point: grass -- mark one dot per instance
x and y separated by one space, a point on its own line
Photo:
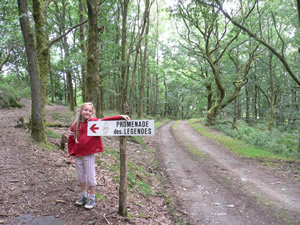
100 196
63 116
159 123
197 153
139 140
237 146
52 134
137 175
48 146
11 92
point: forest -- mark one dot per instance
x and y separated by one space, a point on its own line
234 65
226 65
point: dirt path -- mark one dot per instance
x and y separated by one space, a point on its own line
222 188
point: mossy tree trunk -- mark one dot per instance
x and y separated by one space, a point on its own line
208 87
83 52
37 122
115 99
93 79
42 50
51 80
213 111
67 59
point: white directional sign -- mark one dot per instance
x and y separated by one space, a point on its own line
121 128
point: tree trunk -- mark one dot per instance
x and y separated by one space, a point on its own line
155 90
255 97
213 111
166 95
42 49
51 80
143 72
209 95
235 116
101 99
123 140
67 59
83 52
247 105
137 51
116 77
6 58
272 95
37 122
93 80
299 145
148 93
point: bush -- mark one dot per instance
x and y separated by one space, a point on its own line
277 142
11 91
8 99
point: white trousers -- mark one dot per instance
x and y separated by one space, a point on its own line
85 168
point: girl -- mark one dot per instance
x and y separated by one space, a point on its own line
83 149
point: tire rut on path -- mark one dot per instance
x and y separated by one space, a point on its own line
207 191
285 195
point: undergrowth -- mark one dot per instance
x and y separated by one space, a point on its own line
254 142
11 92
137 176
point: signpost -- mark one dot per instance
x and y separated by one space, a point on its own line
121 128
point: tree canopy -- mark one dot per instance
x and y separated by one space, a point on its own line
182 59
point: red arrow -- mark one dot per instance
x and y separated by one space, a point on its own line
93 128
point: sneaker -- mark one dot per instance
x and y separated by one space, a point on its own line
90 204
82 200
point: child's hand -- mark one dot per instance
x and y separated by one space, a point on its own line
72 160
125 117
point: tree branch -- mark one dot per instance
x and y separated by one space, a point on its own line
6 58
280 57
277 31
68 31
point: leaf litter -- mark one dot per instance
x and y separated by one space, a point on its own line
36 183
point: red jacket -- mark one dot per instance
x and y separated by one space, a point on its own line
86 145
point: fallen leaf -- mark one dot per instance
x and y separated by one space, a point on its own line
60 201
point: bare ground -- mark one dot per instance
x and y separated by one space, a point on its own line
217 187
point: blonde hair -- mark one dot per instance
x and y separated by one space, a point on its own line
79 118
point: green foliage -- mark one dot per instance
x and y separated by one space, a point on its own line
139 140
100 196
63 116
11 91
279 142
8 99
135 182
253 142
51 134
196 153
137 176
48 146
159 123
